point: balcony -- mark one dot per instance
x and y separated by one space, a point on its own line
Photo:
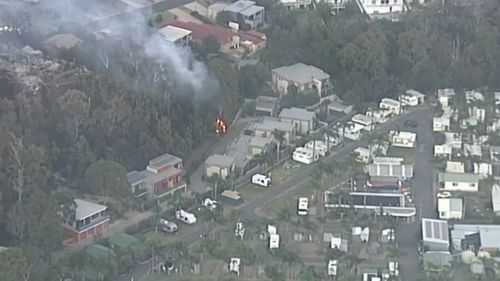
170 189
102 219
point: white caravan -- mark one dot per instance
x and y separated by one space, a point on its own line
303 206
304 155
210 204
261 180
185 217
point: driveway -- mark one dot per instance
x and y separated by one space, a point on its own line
424 197
247 209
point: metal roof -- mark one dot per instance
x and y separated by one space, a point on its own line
301 73
252 10
435 231
239 6
438 258
458 177
268 124
173 33
266 103
297 113
86 209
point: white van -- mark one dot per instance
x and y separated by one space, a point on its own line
167 226
303 206
261 180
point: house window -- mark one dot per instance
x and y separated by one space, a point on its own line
472 185
374 2
384 1
442 214
454 184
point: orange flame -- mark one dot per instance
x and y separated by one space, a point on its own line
220 126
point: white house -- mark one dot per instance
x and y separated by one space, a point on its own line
442 150
378 8
459 181
176 35
412 98
473 96
440 124
435 234
453 139
362 154
392 105
444 96
403 139
303 77
363 120
351 130
450 208
296 4
379 116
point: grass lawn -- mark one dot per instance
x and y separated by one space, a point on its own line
407 153
251 191
165 238
279 174
288 200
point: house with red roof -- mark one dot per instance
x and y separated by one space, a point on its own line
229 39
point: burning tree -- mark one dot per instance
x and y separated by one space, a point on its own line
220 126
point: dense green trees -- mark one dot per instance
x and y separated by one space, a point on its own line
14 265
437 46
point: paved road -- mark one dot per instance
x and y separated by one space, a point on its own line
248 208
424 197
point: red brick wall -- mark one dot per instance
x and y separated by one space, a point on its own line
73 236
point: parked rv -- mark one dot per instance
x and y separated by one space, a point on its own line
210 204
303 206
261 180
185 217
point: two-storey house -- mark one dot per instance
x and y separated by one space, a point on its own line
162 178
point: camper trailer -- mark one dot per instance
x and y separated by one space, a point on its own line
167 226
304 155
303 206
210 204
185 217
261 180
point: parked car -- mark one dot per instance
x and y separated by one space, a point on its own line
444 194
167 226
410 124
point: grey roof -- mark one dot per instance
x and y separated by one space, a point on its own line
266 103
495 152
135 177
252 10
239 6
297 114
259 141
301 73
269 125
86 209
438 258
164 160
390 170
220 160
489 238
238 150
435 230
218 6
